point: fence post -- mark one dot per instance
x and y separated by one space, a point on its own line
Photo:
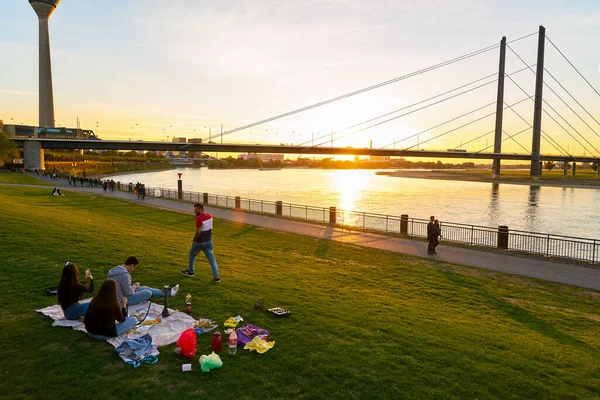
404 224
332 215
204 198
279 208
503 237
238 202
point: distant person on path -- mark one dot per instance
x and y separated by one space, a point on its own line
105 311
70 291
431 235
134 294
202 242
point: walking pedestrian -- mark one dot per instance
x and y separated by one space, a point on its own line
431 235
202 242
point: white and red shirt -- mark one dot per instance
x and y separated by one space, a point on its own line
205 223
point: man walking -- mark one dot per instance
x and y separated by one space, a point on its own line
431 235
202 242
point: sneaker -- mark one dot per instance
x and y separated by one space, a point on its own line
217 280
174 290
187 273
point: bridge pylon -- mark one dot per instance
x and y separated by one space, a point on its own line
499 108
536 170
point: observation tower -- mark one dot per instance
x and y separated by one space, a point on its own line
43 9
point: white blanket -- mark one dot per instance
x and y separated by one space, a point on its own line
163 333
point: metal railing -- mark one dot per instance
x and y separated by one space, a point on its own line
544 244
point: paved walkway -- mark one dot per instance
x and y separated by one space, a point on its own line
564 273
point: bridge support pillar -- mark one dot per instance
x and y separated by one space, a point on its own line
499 109
565 169
33 155
537 108
598 170
574 170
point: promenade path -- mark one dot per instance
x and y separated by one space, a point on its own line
560 272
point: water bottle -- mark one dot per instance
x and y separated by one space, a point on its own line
188 303
232 342
217 343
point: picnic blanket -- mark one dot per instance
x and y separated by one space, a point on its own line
164 333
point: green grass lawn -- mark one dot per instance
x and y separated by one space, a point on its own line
19 178
365 324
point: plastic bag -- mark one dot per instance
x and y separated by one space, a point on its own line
187 343
210 361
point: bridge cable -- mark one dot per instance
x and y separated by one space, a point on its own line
452 130
552 76
398 116
381 84
546 136
565 57
549 87
556 94
558 123
567 122
415 104
409 106
553 142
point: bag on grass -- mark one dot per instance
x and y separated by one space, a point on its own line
187 343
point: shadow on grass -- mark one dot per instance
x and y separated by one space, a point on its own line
245 231
513 311
323 247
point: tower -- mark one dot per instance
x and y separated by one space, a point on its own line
43 9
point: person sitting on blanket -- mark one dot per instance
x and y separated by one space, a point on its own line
70 291
135 293
104 310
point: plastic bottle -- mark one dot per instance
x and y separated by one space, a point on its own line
188 303
217 343
232 342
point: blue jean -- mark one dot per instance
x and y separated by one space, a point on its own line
207 248
144 293
76 310
121 327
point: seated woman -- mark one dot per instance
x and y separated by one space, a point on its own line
70 291
104 310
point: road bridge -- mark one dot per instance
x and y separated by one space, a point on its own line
32 146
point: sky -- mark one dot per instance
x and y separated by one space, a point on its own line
158 69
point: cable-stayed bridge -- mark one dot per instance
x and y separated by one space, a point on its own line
501 121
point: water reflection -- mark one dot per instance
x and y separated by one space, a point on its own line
532 206
493 207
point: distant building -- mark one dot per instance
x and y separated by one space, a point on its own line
194 154
262 156
379 158
179 140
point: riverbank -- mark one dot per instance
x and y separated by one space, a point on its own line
506 177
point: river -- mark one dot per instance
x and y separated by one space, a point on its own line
561 211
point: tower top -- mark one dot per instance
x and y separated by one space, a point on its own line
44 8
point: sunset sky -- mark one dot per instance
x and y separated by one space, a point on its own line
155 69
